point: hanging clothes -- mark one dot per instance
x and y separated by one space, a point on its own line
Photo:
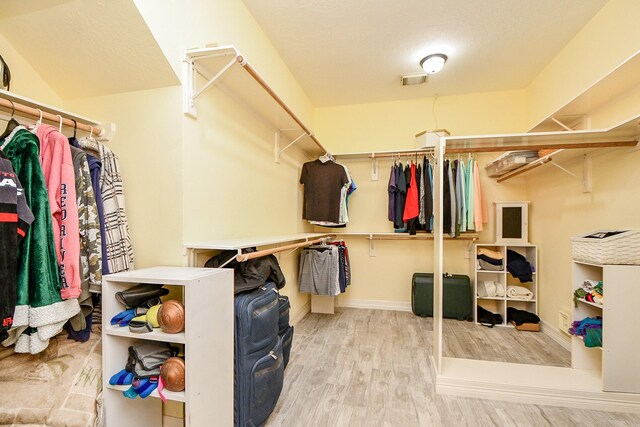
319 270
95 169
57 168
391 190
39 304
461 197
429 196
90 249
15 219
324 269
116 238
422 216
323 183
411 209
401 195
480 210
470 196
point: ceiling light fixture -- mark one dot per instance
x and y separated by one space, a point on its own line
433 63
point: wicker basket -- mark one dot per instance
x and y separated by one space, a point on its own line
607 247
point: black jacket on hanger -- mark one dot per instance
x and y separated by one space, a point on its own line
250 274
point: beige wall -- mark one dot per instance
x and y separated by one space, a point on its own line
608 40
25 80
560 210
392 125
148 143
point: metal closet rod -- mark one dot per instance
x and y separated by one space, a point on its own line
253 73
265 252
17 107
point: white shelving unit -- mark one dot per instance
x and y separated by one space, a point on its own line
207 341
499 304
617 359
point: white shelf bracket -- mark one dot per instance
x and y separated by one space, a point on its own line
277 149
372 246
563 169
374 168
586 174
562 125
190 92
189 78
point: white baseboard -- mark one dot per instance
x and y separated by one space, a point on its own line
374 304
555 334
531 384
299 315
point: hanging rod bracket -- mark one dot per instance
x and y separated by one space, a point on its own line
278 152
374 168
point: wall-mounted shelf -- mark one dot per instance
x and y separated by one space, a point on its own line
563 145
194 248
228 70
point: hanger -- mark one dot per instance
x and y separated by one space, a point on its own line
75 127
60 125
326 157
89 142
11 124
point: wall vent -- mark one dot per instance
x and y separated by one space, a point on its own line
564 321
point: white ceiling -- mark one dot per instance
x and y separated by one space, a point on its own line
85 48
354 51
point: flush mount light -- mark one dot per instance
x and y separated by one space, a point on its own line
433 63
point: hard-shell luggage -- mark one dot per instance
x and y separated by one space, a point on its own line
457 298
259 363
284 329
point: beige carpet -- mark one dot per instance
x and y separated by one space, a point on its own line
57 387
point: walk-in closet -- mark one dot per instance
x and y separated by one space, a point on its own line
298 213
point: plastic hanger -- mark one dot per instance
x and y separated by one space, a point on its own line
75 127
11 124
60 125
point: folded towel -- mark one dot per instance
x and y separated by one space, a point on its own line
490 253
519 292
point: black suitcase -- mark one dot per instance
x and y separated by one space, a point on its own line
456 300
259 363
284 329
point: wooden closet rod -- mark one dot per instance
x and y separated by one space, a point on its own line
253 73
10 106
490 149
265 252
535 147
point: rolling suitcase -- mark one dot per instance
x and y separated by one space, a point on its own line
456 301
259 363
284 329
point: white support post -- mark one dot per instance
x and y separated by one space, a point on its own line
374 168
586 174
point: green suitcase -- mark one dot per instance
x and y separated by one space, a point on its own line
457 298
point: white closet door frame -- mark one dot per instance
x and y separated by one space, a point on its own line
438 254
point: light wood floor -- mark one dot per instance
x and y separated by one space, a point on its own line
370 368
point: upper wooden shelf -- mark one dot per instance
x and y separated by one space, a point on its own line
230 71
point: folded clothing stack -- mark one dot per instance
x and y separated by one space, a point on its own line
590 328
490 288
519 292
490 260
523 320
591 290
